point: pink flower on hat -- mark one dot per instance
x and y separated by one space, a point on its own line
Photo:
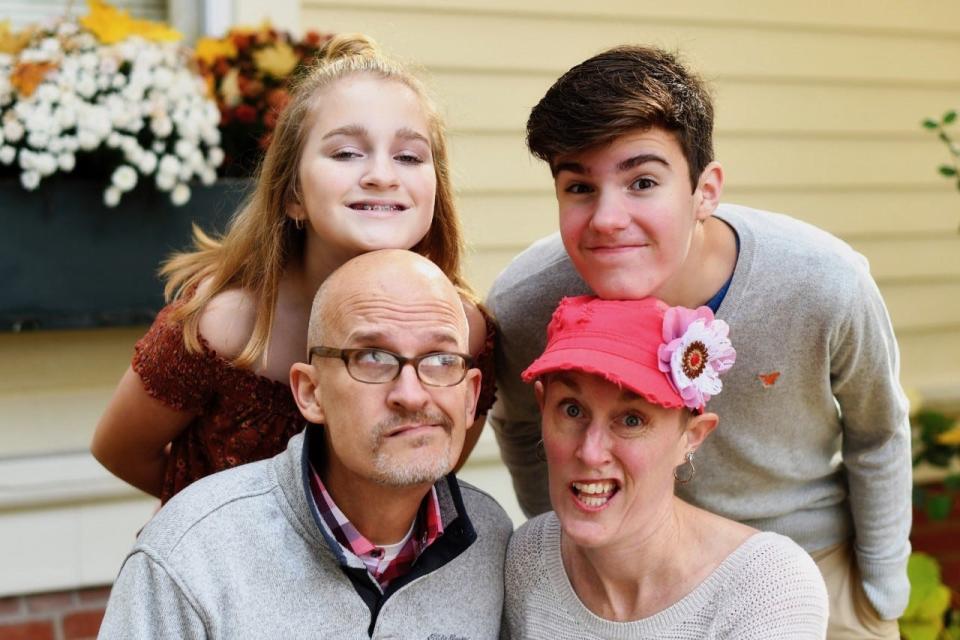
695 351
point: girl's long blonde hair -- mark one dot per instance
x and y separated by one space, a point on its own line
261 239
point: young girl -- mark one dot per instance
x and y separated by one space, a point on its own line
358 162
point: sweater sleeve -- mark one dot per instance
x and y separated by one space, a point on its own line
865 373
778 594
146 602
515 417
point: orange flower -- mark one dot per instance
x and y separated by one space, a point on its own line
27 76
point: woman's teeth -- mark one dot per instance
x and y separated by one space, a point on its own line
594 494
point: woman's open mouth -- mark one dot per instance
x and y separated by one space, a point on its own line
595 494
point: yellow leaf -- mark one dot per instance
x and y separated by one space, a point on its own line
209 49
111 25
12 42
951 436
278 60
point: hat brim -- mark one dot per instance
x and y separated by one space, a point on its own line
652 385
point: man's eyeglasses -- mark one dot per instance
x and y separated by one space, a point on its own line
376 366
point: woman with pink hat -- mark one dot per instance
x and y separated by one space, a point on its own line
623 387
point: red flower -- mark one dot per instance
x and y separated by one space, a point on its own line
245 113
278 99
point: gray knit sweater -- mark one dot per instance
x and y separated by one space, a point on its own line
767 589
820 454
240 554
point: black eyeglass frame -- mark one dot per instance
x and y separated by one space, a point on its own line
345 354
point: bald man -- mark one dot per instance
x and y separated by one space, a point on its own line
358 529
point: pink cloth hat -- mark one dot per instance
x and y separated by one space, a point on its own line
671 356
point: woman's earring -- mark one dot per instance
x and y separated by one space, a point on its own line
685 472
298 223
541 453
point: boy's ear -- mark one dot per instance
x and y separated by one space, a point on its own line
306 391
709 190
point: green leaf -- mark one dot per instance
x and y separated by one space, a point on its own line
919 630
952 482
949 116
929 123
947 170
938 507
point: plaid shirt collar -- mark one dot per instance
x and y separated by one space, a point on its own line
427 528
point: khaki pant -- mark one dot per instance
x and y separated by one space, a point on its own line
852 617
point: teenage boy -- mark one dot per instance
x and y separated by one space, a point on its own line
816 442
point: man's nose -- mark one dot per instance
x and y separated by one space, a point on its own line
407 391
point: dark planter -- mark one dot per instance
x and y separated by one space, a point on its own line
68 261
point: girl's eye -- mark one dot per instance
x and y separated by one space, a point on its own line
641 184
571 410
345 154
408 158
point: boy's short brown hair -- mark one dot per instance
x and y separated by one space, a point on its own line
621 90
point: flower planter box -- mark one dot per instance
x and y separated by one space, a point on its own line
68 261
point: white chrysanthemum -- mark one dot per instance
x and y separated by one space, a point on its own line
38 139
113 140
208 176
180 195
46 164
184 149
124 177
12 130
87 140
147 163
7 154
30 180
161 127
165 181
66 161
111 196
27 159
215 157
86 85
169 165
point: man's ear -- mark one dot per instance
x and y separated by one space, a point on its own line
709 190
473 394
306 391
540 392
698 428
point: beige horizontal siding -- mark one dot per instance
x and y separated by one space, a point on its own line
494 101
530 42
929 17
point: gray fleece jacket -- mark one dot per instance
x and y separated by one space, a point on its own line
242 554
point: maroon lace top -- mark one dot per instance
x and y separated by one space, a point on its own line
242 417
